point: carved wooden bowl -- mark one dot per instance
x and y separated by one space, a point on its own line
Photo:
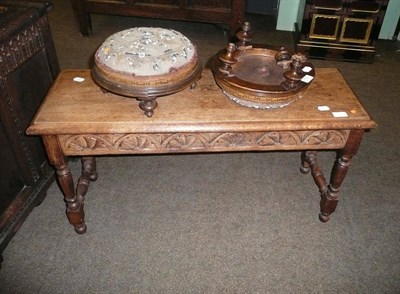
260 77
146 63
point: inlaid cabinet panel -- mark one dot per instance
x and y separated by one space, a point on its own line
341 29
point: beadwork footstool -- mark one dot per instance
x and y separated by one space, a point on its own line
145 63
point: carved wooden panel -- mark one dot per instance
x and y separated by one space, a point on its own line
201 142
21 47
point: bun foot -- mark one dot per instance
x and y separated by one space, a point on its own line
93 176
148 106
324 218
304 169
81 229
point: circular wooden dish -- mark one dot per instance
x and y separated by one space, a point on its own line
259 77
146 63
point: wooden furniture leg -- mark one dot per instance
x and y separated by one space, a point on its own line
330 193
89 173
75 212
83 20
330 198
309 162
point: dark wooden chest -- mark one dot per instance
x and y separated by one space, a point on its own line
28 66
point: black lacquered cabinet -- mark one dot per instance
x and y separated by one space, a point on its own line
28 67
341 29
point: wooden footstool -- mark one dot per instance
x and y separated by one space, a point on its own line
146 63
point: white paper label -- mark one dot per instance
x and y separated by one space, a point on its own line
340 114
78 79
307 79
323 108
307 69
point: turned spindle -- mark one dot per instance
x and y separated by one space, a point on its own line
245 37
295 74
283 58
227 59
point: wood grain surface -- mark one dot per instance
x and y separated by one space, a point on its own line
82 108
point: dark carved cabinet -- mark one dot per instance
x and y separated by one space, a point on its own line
229 12
341 29
28 66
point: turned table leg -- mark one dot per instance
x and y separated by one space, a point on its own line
330 193
74 210
331 197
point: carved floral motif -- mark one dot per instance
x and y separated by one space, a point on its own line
197 142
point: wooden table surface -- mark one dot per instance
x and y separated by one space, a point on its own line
81 107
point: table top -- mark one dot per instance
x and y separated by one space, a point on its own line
73 107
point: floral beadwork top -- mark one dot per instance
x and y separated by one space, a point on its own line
146 51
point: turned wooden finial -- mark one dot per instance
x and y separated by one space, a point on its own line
245 37
283 58
227 59
295 74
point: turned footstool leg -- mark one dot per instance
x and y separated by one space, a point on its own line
148 105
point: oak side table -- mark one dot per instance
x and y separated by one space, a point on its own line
78 119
